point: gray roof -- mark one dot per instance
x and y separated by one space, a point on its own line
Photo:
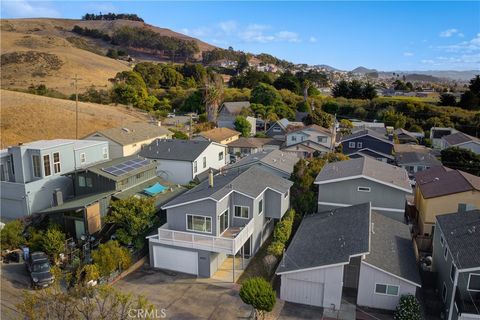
370 132
234 108
244 142
98 168
134 132
424 158
78 203
251 182
462 235
278 159
391 248
328 238
367 167
459 137
171 149
47 144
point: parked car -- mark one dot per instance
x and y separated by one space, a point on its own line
171 115
39 267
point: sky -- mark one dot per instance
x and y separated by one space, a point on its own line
384 35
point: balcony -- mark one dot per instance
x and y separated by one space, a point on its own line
230 242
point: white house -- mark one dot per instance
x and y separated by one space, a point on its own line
181 161
308 140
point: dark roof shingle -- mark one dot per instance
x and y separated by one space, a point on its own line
171 149
440 181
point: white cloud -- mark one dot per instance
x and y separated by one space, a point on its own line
197 32
448 33
408 54
228 26
287 36
28 9
312 39
465 46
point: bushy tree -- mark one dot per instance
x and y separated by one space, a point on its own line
54 241
461 159
243 126
11 236
470 99
110 257
133 217
265 94
408 309
394 119
258 293
447 99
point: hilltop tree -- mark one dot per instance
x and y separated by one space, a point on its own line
447 99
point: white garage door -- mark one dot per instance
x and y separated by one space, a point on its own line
305 292
175 260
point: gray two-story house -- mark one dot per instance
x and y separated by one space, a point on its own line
350 182
368 143
456 261
34 174
228 214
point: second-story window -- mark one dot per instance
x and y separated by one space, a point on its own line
220 156
204 162
199 223
260 207
241 212
46 165
294 138
105 152
195 167
36 166
56 162
359 145
351 145
322 139
83 158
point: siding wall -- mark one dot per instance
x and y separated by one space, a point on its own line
175 171
366 288
368 142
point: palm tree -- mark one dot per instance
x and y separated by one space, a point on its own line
267 114
213 96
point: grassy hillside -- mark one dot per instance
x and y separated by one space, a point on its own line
26 117
46 51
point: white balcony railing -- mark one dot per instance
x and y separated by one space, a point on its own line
204 242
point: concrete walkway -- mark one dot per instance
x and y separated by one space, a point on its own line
347 311
225 271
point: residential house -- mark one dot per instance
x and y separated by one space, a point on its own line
415 161
313 137
219 135
96 185
280 127
439 190
33 174
461 140
245 146
353 249
227 214
456 244
436 134
405 136
278 162
368 143
350 182
180 161
229 111
131 138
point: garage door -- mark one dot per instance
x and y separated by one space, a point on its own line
305 292
175 260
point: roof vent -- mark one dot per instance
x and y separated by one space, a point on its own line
126 129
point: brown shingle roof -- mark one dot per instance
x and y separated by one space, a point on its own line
440 181
219 134
243 142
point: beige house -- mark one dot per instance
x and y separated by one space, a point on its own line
441 190
131 138
220 135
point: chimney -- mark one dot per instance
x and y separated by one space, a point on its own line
57 197
210 178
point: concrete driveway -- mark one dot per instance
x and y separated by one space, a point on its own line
14 279
186 297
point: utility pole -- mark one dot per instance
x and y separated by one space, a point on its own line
75 84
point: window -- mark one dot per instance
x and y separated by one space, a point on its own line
473 282
442 241
294 138
351 145
277 129
260 207
46 165
359 145
286 194
195 167
322 139
105 152
444 292
241 212
363 189
89 182
56 162
36 166
220 156
204 162
83 158
81 181
199 223
223 221
445 253
452 272
386 289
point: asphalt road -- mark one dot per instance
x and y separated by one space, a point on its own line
14 279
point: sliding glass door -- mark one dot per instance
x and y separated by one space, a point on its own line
223 225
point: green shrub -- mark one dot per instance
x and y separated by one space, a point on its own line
110 257
280 233
408 309
276 248
11 236
258 293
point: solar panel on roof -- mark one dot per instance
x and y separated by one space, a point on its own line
126 166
